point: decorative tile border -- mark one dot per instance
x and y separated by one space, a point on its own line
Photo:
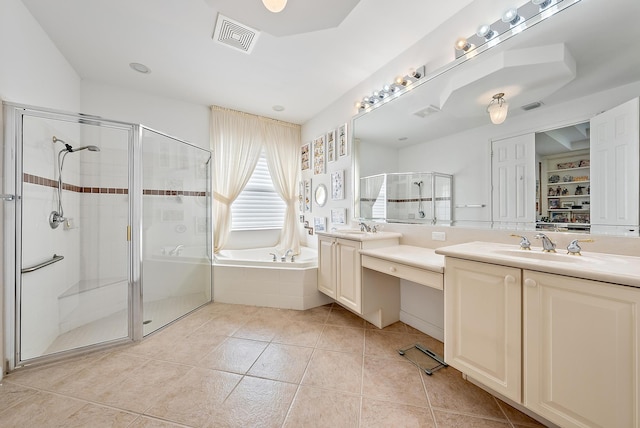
41 181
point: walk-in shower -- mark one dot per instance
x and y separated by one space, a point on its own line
84 228
57 217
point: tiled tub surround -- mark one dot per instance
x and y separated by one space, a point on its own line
273 284
242 366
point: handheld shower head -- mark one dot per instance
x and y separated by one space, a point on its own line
90 148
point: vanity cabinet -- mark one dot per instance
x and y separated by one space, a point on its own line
340 268
581 347
482 323
565 348
339 271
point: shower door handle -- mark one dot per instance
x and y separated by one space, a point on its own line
8 197
56 258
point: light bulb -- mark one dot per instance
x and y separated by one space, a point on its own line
511 16
485 31
462 44
542 3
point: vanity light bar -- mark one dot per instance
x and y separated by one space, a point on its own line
486 37
392 90
513 20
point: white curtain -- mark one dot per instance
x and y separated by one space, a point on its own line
282 147
236 144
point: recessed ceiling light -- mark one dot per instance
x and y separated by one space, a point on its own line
277 108
140 68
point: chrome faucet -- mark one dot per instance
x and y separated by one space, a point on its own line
525 244
274 257
547 245
284 257
574 248
176 251
364 227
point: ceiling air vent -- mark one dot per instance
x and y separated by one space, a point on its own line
234 34
532 106
427 111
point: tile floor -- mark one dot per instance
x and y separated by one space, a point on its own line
243 366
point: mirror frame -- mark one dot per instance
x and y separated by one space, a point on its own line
320 195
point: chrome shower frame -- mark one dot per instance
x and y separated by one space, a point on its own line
12 228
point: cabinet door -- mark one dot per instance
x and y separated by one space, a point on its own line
326 266
581 341
614 170
482 323
349 288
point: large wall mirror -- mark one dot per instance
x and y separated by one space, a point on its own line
557 76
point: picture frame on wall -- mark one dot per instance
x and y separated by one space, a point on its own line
305 157
331 146
338 216
318 155
320 224
343 141
307 196
337 185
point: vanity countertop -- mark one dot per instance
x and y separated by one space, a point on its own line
357 235
612 268
422 258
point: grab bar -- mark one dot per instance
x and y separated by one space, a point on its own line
55 258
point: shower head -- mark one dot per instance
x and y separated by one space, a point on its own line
418 183
90 148
70 149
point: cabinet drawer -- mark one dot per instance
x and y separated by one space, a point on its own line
421 276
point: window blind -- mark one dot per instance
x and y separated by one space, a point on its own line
258 206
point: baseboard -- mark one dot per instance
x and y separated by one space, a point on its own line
422 325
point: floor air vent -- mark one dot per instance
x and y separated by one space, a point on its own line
234 34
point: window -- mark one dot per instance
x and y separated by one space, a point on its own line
259 206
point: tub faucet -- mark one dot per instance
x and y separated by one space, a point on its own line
274 257
176 251
284 258
547 245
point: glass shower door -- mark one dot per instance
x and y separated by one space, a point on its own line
176 229
73 267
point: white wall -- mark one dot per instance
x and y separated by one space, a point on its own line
186 121
33 70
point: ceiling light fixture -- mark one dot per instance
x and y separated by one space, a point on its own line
274 6
498 109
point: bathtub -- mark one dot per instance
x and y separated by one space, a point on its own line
251 277
261 257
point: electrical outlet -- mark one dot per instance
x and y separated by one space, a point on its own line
438 236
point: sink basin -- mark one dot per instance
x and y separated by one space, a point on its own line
352 232
539 255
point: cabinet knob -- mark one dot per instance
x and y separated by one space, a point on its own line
509 279
393 269
530 282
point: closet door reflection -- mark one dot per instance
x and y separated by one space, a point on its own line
176 235
73 251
